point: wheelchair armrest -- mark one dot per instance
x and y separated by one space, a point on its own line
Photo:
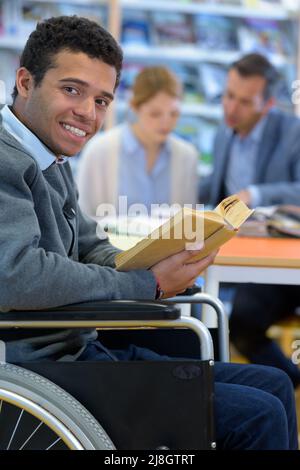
114 310
110 314
191 291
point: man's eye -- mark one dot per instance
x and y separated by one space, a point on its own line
71 90
102 103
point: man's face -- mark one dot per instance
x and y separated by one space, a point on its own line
68 107
158 116
243 101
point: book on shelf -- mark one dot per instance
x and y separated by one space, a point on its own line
201 133
207 134
265 36
188 75
213 81
172 29
9 61
1 20
215 32
180 233
188 127
129 72
135 29
33 12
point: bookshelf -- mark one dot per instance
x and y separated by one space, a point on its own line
197 39
238 10
151 32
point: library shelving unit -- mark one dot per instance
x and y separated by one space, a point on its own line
197 39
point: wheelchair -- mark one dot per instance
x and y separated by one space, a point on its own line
112 405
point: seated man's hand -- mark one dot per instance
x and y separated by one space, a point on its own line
245 196
175 275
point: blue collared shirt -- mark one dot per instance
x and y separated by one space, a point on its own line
28 140
243 156
139 185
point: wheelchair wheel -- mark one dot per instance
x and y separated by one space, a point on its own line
37 414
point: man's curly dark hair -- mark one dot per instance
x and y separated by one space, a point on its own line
72 33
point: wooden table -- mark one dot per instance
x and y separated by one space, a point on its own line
258 260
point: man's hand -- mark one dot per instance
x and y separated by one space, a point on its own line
175 275
245 196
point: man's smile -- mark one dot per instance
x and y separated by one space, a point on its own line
75 131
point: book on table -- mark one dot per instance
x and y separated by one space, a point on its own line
274 221
187 229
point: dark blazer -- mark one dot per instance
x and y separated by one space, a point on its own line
277 172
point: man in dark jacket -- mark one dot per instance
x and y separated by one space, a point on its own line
257 148
257 155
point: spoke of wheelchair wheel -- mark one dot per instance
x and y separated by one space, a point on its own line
28 438
15 429
55 442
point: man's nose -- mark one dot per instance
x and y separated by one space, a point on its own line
86 110
232 107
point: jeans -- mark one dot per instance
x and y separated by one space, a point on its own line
254 405
255 308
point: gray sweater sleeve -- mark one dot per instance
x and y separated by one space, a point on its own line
33 277
92 248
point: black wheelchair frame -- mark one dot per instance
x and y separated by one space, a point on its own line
143 419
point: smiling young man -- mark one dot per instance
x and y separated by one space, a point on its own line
68 107
50 254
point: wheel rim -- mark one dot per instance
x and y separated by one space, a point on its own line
18 410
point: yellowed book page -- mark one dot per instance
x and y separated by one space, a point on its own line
234 211
124 242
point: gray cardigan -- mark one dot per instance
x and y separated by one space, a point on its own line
50 253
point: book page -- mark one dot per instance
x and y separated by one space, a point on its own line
234 211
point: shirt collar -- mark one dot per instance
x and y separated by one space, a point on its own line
43 156
256 133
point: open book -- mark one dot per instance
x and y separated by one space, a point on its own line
187 229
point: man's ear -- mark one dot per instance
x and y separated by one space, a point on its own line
24 82
270 103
